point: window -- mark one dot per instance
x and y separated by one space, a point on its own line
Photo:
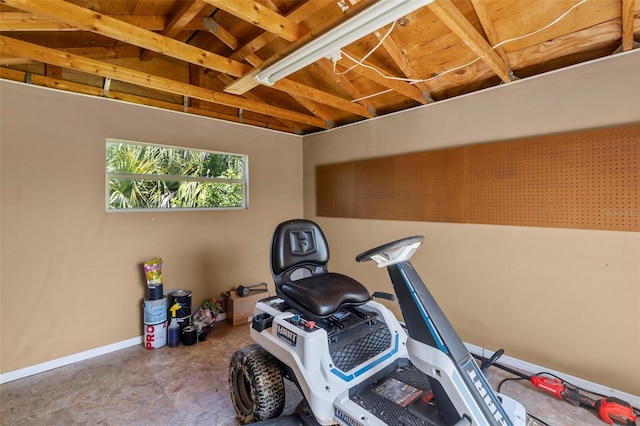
143 176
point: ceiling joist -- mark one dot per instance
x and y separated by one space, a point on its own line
185 51
66 60
627 24
24 21
119 30
261 16
480 6
452 18
177 24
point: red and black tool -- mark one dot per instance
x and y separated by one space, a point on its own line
609 409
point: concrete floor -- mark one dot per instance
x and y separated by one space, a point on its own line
185 385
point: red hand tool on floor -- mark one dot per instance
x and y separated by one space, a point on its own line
609 409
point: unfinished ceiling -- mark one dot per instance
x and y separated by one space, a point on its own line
191 55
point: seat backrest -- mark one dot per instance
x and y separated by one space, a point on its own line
298 249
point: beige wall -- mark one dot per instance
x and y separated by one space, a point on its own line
70 275
565 299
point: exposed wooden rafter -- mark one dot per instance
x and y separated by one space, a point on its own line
167 52
342 81
480 7
627 24
103 69
178 23
119 30
405 89
261 16
286 123
452 18
400 59
220 32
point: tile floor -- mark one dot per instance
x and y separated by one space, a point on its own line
185 385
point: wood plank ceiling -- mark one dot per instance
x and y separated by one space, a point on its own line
186 55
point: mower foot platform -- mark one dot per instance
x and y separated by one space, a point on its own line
400 396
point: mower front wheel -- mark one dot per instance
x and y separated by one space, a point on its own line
255 385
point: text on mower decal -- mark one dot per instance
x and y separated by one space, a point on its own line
486 397
287 335
346 418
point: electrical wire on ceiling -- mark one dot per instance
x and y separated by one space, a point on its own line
414 81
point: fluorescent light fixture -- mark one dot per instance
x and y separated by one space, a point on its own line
369 20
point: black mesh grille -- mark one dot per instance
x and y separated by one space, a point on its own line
354 354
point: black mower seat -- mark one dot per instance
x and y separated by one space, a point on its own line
324 294
299 257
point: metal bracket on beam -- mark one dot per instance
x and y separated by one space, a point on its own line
210 24
329 123
426 95
185 104
27 77
106 87
512 77
240 114
372 110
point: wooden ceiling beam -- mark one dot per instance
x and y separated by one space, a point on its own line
261 16
315 109
297 16
220 33
119 30
449 14
67 60
627 24
247 51
401 87
247 82
342 81
224 78
115 52
489 27
400 59
322 97
178 22
53 83
25 21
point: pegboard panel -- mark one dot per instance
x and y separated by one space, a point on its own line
586 180
406 187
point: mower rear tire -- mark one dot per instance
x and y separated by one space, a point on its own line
255 385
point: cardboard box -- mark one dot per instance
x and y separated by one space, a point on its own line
240 309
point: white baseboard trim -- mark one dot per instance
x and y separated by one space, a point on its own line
61 362
529 368
526 367
81 356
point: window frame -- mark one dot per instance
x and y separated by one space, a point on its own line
244 181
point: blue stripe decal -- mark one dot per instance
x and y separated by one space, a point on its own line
425 316
360 372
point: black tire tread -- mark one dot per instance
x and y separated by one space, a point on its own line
266 385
